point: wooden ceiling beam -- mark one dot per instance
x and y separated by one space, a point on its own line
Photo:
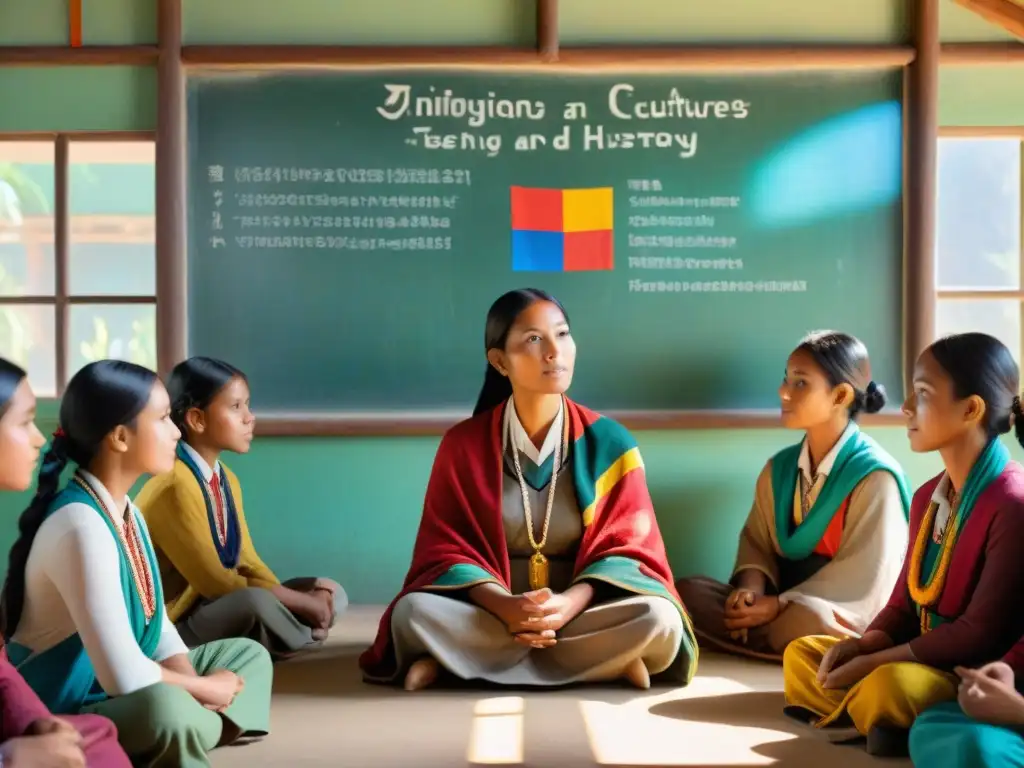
981 54
1003 13
679 58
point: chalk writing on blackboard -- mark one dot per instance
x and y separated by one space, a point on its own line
653 123
357 209
718 286
679 262
335 213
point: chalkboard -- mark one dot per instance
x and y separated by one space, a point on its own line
348 231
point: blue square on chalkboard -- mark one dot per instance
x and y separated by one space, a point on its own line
534 251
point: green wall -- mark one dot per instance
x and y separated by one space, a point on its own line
348 508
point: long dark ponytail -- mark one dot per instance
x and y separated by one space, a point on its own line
501 317
100 397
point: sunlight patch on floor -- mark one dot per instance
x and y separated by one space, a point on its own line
496 737
629 734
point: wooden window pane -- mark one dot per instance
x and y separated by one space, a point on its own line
113 218
996 317
979 214
26 218
27 337
121 332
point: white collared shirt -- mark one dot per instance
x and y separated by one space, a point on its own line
207 473
201 462
814 481
940 497
513 430
73 584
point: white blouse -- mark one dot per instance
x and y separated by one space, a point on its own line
813 482
73 584
514 431
200 462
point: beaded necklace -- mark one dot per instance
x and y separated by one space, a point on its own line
927 593
131 542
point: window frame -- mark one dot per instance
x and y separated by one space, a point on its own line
986 294
61 299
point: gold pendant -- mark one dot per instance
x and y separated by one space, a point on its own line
538 571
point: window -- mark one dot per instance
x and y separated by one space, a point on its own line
979 249
77 254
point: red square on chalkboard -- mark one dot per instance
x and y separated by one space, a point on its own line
588 251
538 210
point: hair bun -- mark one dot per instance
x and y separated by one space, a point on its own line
874 398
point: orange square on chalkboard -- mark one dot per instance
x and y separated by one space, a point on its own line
588 251
537 210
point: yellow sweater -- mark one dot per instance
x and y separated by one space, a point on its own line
190 568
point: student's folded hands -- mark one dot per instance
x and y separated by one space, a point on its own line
746 610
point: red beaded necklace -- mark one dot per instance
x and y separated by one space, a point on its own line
131 541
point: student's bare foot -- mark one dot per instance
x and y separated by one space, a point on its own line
422 673
638 675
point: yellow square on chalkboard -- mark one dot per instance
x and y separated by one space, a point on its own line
587 210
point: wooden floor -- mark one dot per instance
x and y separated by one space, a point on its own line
729 717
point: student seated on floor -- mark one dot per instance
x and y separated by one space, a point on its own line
216 584
824 542
29 734
539 560
984 727
963 573
83 603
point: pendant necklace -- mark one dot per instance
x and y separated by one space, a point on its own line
539 573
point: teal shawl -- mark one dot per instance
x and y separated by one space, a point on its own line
63 676
858 458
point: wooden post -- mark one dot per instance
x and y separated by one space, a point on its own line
61 256
547 29
75 23
922 115
171 220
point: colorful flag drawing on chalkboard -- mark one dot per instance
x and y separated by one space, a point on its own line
562 230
